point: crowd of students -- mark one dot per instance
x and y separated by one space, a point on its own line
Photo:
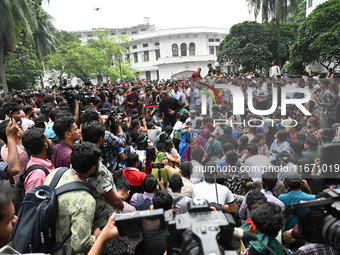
113 140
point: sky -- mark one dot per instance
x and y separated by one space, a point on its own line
73 15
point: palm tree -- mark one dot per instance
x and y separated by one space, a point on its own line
44 36
15 18
275 11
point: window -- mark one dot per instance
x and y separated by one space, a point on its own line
211 49
113 33
145 56
156 43
192 49
143 29
211 40
217 40
123 33
127 57
310 3
148 75
89 35
78 35
183 49
134 32
135 56
145 45
158 54
175 50
134 47
216 49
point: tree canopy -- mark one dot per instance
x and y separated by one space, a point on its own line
319 36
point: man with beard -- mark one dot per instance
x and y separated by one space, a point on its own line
76 208
27 121
40 147
102 186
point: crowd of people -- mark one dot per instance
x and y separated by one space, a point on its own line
144 145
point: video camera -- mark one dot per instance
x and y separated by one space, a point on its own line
113 115
201 231
319 220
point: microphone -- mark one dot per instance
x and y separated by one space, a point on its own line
244 235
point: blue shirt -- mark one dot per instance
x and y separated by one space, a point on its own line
291 198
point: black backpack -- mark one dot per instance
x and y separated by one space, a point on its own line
19 189
142 204
35 230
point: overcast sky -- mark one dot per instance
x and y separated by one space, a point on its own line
72 15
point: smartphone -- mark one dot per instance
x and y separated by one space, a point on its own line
158 165
10 116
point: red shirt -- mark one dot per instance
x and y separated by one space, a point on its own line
195 77
134 176
132 98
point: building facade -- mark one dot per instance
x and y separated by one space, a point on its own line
169 53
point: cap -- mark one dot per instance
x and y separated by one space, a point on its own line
199 69
50 133
292 178
193 111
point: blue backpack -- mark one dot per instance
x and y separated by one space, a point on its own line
35 230
142 204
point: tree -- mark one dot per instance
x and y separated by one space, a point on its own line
22 68
16 18
44 35
275 11
247 44
318 37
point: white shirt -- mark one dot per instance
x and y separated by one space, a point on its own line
26 123
254 166
208 192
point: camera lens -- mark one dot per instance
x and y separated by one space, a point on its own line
331 231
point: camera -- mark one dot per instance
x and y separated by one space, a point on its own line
319 220
201 231
158 165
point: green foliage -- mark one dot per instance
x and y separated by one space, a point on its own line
96 56
319 36
22 68
301 15
247 44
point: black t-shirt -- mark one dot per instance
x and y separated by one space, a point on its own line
134 135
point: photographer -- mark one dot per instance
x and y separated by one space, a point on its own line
111 142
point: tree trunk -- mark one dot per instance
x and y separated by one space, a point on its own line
2 67
278 34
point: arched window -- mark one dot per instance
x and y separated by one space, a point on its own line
175 50
183 49
192 49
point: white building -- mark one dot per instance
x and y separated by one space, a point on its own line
312 4
169 53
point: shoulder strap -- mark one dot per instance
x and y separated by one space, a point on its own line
140 198
35 167
71 187
57 176
177 200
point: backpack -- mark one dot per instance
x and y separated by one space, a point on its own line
19 189
35 230
142 204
